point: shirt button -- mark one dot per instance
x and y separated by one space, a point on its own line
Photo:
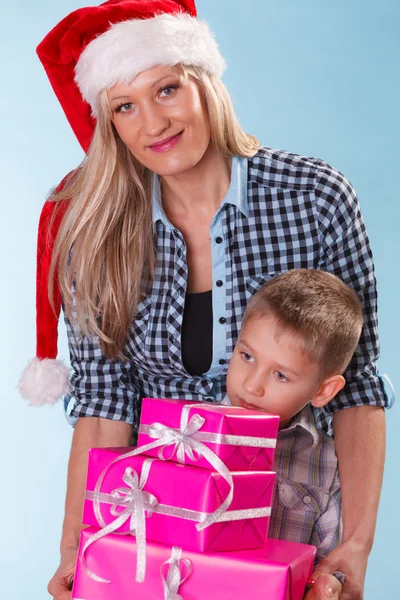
219 240
222 361
222 320
219 283
306 499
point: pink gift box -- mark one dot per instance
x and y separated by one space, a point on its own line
277 572
246 438
183 487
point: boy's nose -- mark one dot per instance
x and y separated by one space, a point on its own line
254 385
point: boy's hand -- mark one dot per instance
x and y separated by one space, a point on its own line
326 587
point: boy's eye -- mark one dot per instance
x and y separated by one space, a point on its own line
247 357
280 376
123 108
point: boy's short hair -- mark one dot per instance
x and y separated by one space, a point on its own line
318 308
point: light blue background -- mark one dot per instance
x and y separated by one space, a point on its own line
313 77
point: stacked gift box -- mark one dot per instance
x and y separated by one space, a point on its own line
186 513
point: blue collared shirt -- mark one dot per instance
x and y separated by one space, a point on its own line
236 196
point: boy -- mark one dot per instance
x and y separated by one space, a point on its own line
298 335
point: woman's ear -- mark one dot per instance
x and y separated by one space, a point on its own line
328 390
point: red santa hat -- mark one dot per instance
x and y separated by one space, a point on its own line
95 47
89 51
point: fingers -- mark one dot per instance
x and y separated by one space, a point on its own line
64 596
351 590
59 588
60 584
326 587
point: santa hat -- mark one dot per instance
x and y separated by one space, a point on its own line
45 379
89 51
95 47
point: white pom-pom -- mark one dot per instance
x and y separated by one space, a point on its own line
44 381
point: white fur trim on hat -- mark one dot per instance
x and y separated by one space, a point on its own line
44 381
130 47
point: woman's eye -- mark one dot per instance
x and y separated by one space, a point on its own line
126 107
280 376
168 90
247 357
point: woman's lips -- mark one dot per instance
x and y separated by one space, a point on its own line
167 144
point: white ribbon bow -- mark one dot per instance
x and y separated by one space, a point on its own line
135 503
174 577
181 438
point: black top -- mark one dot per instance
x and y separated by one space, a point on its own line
197 326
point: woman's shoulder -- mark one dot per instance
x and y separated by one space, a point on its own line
289 171
283 169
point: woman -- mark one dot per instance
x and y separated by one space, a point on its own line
220 216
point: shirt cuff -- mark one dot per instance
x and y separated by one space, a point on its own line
112 409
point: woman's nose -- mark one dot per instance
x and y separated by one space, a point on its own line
154 120
254 384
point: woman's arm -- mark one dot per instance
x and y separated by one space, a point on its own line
360 447
358 416
360 469
90 432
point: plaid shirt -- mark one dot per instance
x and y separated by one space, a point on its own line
282 212
307 500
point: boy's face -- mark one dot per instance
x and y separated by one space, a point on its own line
269 371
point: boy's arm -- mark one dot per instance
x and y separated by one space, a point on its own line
361 471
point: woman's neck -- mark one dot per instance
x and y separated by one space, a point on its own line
198 190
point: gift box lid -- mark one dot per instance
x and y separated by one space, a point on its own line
219 419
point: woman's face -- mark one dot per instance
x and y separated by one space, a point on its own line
163 120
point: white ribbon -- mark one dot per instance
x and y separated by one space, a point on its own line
181 438
174 577
135 503
189 514
186 444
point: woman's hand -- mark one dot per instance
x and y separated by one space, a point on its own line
326 587
351 559
60 585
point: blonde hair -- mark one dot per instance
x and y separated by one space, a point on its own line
319 309
104 250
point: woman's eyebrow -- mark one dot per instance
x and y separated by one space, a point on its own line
118 98
164 77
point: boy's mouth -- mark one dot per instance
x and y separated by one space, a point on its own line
247 405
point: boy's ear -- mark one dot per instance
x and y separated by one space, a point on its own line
328 390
